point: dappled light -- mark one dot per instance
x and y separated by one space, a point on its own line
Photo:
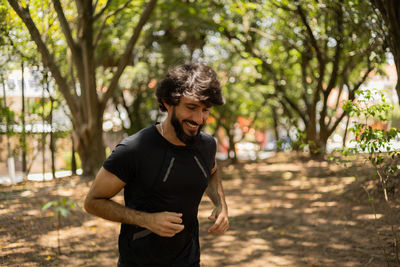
276 219
306 221
288 109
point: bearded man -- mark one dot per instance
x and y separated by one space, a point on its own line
164 170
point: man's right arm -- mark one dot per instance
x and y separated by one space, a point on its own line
98 202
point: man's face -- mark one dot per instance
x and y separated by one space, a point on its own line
188 117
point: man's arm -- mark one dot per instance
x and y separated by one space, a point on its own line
98 202
220 213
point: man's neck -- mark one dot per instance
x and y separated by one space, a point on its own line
168 132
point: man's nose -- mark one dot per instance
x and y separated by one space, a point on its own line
199 117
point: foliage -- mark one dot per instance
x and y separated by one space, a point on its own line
310 52
60 206
86 46
372 106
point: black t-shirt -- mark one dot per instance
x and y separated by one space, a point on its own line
160 176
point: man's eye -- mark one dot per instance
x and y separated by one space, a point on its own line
191 108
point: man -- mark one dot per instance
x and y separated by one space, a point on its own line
164 170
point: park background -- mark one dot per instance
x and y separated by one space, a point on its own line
307 140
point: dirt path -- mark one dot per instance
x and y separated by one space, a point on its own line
282 214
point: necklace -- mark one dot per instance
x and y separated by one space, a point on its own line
162 129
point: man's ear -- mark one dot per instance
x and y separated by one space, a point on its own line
167 106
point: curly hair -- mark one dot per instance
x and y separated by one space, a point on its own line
196 80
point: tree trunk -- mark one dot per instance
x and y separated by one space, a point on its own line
23 134
90 147
311 133
276 131
390 12
232 146
345 132
397 62
43 131
73 159
7 117
52 141
323 140
86 108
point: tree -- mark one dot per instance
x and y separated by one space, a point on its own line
81 38
390 27
176 34
243 99
308 51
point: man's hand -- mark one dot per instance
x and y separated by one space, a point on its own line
166 224
221 224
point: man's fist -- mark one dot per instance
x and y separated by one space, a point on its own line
166 224
221 224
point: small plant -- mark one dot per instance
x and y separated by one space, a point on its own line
372 107
61 207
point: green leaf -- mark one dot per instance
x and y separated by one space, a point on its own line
48 205
251 5
65 212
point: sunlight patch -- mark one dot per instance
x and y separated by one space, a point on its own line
369 216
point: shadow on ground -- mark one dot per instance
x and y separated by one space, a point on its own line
283 212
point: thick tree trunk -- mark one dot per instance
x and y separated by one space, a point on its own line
323 140
86 108
390 12
90 147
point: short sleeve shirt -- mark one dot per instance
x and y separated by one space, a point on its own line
160 176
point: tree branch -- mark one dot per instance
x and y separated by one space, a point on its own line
338 51
263 34
314 42
320 56
98 15
126 56
284 7
103 24
335 67
294 107
65 27
304 65
352 95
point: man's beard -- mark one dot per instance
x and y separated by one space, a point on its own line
180 133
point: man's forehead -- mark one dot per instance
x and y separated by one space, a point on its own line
192 101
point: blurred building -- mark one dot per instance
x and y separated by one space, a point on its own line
35 93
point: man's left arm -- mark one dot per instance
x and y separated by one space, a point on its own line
220 213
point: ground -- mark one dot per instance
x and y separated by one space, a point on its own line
284 211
